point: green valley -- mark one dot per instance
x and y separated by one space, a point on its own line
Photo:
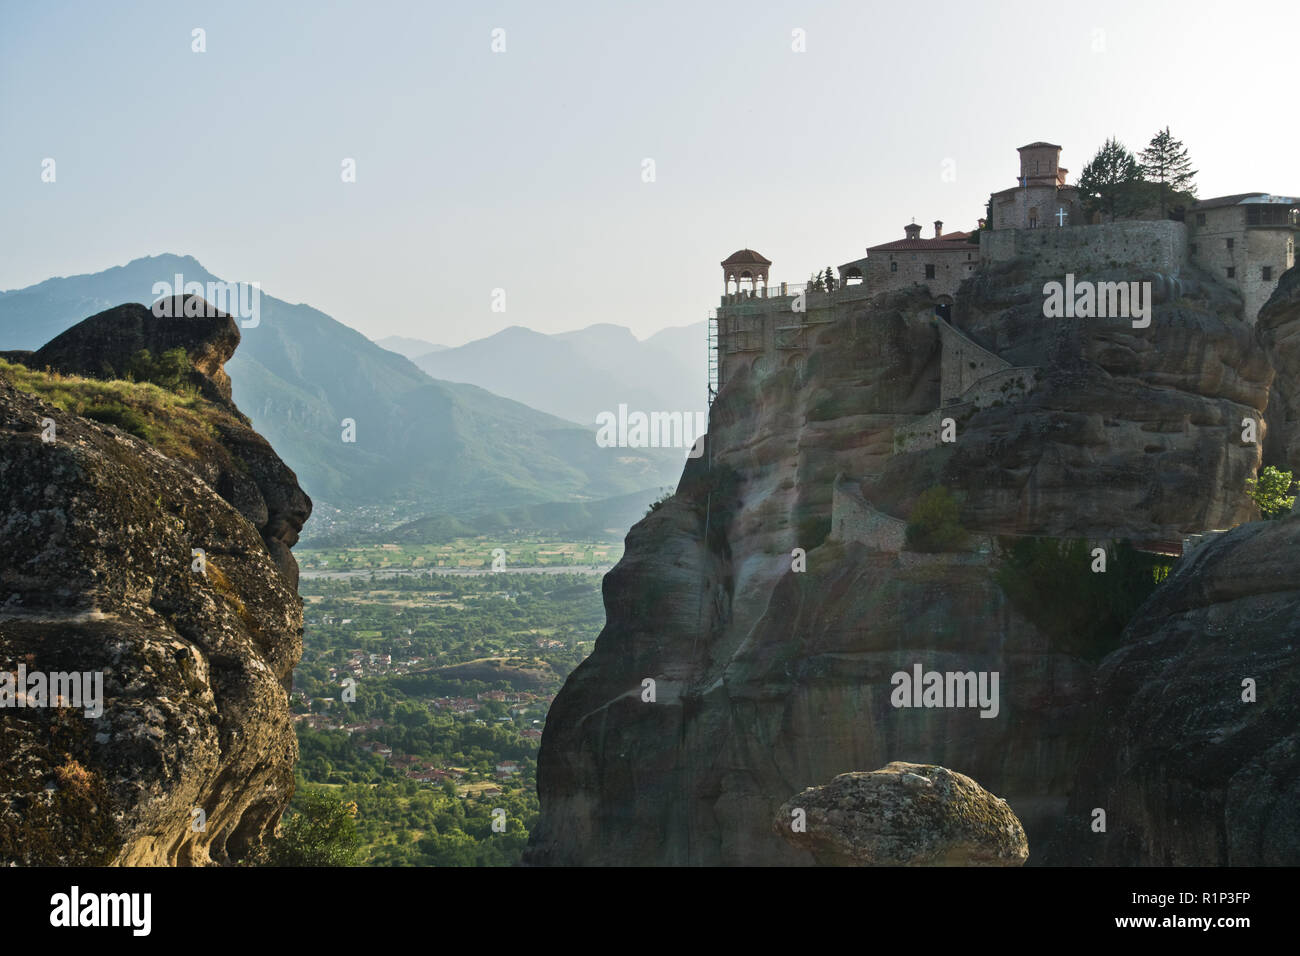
422 694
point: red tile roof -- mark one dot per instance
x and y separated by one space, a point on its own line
745 257
948 243
1015 189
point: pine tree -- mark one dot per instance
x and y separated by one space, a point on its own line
830 280
1112 181
1166 163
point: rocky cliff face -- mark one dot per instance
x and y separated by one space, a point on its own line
1193 740
768 680
1279 332
1195 750
1129 432
190 760
237 462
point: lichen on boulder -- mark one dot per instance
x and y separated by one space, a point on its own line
905 814
189 759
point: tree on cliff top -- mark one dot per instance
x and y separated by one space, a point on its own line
1111 183
1166 164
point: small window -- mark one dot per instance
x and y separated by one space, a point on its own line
1232 272
1267 273
1200 218
1231 242
893 267
1033 223
929 272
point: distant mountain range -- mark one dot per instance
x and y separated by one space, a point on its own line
411 348
443 447
577 375
578 520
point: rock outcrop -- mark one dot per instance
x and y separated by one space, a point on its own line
769 678
1279 332
238 462
1195 750
104 345
190 760
905 814
1127 433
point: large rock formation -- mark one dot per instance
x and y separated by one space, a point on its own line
1195 752
769 679
1145 422
191 760
1279 331
236 461
906 814
105 345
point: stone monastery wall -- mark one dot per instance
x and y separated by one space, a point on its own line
853 519
963 363
1157 246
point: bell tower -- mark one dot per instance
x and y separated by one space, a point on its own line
1040 165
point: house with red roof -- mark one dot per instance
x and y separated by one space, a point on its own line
939 263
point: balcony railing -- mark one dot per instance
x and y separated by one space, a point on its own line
788 290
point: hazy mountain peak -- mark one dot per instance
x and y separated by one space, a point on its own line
411 348
300 373
605 332
579 374
514 332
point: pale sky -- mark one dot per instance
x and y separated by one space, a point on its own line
523 169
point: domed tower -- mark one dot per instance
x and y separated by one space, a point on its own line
746 265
